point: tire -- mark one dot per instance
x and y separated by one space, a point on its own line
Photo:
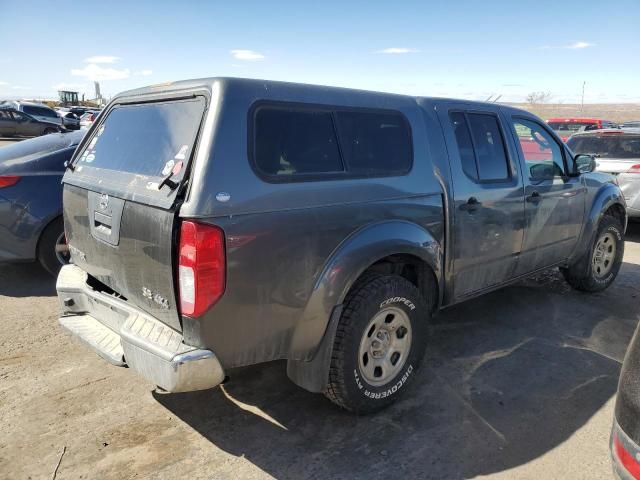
385 305
48 131
52 235
599 267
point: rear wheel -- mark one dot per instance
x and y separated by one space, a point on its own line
599 267
48 255
379 344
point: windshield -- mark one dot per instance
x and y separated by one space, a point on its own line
144 139
572 127
611 146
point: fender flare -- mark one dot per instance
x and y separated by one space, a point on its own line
608 196
312 340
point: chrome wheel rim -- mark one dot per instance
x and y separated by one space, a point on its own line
384 346
604 255
63 257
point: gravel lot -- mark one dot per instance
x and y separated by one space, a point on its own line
517 384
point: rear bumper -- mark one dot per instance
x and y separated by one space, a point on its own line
630 450
124 335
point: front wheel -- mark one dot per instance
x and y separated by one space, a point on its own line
599 268
380 341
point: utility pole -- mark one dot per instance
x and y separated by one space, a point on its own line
582 103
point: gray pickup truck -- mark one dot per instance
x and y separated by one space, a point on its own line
219 223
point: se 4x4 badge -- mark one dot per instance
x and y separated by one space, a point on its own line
156 298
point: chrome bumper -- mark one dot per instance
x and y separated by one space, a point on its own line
124 335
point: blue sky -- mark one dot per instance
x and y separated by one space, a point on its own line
467 49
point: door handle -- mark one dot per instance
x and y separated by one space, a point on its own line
471 206
535 197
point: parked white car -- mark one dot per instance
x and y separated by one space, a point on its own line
69 119
87 119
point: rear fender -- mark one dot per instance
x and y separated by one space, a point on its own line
312 340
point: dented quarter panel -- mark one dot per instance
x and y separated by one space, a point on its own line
287 270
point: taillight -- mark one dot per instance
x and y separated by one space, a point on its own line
634 169
626 459
201 267
8 180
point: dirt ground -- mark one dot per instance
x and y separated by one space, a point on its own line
617 112
518 384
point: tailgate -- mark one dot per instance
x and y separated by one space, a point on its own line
120 220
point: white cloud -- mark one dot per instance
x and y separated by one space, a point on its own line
571 46
248 55
4 83
397 50
102 59
579 45
97 73
143 73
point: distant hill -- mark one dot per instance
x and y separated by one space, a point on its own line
617 112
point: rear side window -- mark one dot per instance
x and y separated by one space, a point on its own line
39 111
290 142
294 142
146 139
30 110
375 143
481 146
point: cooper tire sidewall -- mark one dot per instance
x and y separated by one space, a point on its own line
358 388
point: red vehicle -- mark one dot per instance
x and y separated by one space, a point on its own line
566 126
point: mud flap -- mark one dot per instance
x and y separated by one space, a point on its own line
314 374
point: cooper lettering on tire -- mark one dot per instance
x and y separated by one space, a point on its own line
380 342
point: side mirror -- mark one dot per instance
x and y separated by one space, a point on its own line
584 163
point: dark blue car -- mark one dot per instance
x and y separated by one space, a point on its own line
31 225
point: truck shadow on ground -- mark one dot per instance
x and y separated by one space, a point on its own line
26 280
508 377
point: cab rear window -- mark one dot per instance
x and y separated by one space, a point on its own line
145 139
